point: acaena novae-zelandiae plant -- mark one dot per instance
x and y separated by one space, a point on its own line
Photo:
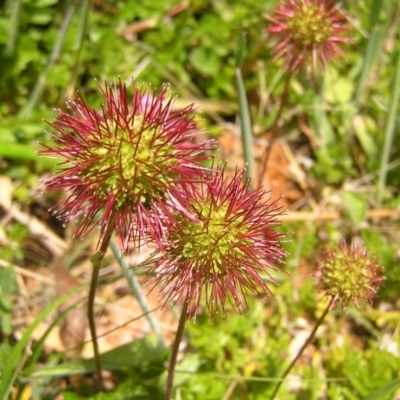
223 247
307 33
118 162
346 275
133 169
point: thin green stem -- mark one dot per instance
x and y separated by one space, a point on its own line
306 343
136 289
96 263
175 351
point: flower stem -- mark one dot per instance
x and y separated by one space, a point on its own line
96 261
175 351
306 343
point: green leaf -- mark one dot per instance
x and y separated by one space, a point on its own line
362 127
5 304
205 61
338 90
41 18
45 3
186 368
5 351
323 127
384 390
355 206
8 280
8 286
5 322
18 151
71 396
132 354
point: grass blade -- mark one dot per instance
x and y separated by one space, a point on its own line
41 81
244 113
15 8
373 48
389 130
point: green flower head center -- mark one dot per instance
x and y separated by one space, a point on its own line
131 160
310 24
215 237
347 276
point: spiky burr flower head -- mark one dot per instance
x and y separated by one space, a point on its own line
223 247
119 161
307 32
349 274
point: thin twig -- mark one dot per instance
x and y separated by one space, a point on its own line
298 216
